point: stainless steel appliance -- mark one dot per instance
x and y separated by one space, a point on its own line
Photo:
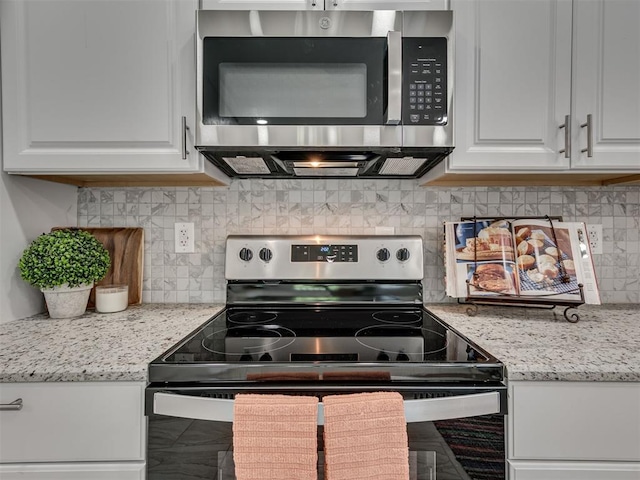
332 93
319 315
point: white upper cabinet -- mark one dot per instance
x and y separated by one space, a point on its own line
263 5
324 4
99 87
606 84
512 88
526 68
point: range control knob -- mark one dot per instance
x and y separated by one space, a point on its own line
403 254
402 357
383 254
246 357
265 357
383 357
246 254
265 254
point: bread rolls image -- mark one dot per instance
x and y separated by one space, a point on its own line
496 235
569 267
525 262
542 259
524 248
548 270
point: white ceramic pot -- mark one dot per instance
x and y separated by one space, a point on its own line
67 302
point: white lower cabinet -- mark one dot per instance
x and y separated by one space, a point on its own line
572 471
574 431
69 430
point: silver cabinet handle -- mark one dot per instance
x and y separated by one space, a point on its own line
421 410
15 405
394 63
567 136
185 152
589 125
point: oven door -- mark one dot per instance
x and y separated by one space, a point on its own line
299 79
454 433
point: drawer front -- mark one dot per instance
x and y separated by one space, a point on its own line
73 471
575 421
70 422
519 470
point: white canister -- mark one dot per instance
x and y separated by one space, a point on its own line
112 298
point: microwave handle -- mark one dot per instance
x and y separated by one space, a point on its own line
394 65
421 410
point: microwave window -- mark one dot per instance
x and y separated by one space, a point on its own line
293 90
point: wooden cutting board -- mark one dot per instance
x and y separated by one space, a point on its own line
126 249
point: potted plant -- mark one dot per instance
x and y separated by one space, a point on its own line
64 264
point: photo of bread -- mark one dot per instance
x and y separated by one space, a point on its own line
487 242
492 278
526 262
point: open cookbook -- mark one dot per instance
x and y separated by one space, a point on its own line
525 258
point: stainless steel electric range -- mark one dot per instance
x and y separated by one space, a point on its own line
324 315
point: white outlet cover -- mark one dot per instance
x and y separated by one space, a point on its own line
594 233
184 238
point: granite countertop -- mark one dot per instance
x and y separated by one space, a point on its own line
96 346
533 344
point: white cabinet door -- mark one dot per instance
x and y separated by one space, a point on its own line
386 4
512 84
579 421
263 4
606 84
73 471
98 86
73 422
573 471
324 4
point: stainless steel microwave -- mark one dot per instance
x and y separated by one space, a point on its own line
324 93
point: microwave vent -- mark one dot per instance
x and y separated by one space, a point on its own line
401 166
247 165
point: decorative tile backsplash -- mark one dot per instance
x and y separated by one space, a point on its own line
348 207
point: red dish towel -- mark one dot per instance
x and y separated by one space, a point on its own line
365 437
275 437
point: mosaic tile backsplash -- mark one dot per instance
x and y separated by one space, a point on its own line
348 207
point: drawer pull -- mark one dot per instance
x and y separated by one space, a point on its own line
15 405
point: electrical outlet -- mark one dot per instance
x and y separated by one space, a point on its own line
594 232
184 234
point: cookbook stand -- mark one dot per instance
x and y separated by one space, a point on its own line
544 301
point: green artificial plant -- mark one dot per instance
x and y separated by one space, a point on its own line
68 256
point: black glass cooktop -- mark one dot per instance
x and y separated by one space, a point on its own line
243 343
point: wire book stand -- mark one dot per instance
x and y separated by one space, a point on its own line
563 283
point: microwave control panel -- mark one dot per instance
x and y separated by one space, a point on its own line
424 97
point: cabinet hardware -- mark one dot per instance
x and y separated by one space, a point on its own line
335 3
15 405
567 136
185 127
589 125
313 3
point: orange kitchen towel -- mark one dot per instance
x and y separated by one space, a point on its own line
365 437
275 437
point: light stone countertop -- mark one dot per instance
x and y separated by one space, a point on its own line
533 344
96 346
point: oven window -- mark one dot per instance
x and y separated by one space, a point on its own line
294 81
464 449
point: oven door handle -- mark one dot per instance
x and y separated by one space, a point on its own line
421 410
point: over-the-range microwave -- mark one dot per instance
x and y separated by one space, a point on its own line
325 93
